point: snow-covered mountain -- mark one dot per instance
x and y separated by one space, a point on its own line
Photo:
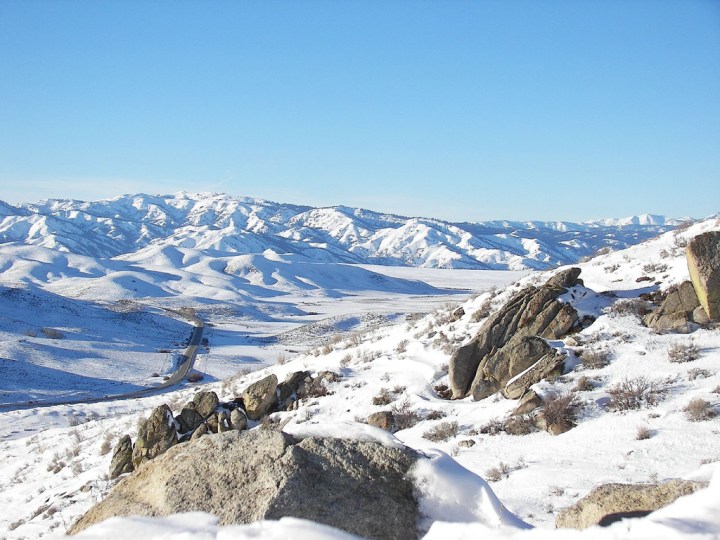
223 223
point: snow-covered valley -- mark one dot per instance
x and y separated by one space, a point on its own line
74 324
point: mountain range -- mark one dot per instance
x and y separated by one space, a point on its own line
221 223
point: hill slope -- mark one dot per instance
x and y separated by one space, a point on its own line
223 223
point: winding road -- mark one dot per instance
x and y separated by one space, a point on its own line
187 361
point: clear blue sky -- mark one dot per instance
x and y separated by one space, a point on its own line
452 109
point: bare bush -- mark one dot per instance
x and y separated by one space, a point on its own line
383 398
592 358
483 311
611 268
561 410
402 346
404 416
435 415
655 268
493 427
584 384
698 410
683 352
643 433
698 373
633 394
106 445
636 307
442 432
281 358
495 474
52 333
519 425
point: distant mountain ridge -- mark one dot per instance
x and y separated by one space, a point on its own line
227 224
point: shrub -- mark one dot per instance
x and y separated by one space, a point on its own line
584 384
483 311
402 346
633 394
611 268
561 410
683 352
442 432
435 415
698 373
106 445
52 333
636 307
383 398
654 268
404 416
592 358
643 433
519 425
493 427
698 410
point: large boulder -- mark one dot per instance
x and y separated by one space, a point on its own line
121 461
703 257
242 477
206 403
189 418
611 502
155 436
516 356
549 366
534 311
678 312
260 397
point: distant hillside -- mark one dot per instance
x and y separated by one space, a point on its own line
241 225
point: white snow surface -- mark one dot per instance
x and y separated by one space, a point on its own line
241 225
475 484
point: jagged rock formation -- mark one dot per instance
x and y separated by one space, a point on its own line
155 436
121 461
703 256
679 312
611 502
241 477
499 353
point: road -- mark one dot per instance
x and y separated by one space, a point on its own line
187 361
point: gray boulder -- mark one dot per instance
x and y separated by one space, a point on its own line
549 366
206 403
677 312
703 257
516 356
189 419
121 462
260 397
288 389
242 477
534 311
383 420
238 420
155 436
611 502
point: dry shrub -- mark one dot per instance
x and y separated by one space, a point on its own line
435 415
52 333
633 394
404 416
402 346
643 433
698 410
584 384
519 425
442 432
561 410
493 427
383 398
592 358
698 373
683 352
636 307
655 268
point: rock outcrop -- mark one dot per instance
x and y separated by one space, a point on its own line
703 257
121 461
680 311
242 477
260 397
155 436
206 403
611 502
534 311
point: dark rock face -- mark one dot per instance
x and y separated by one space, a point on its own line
155 436
549 366
679 312
241 477
535 311
609 502
703 257
121 462
189 418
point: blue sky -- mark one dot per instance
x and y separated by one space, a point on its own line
459 110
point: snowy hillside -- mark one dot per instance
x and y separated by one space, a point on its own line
52 475
223 223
